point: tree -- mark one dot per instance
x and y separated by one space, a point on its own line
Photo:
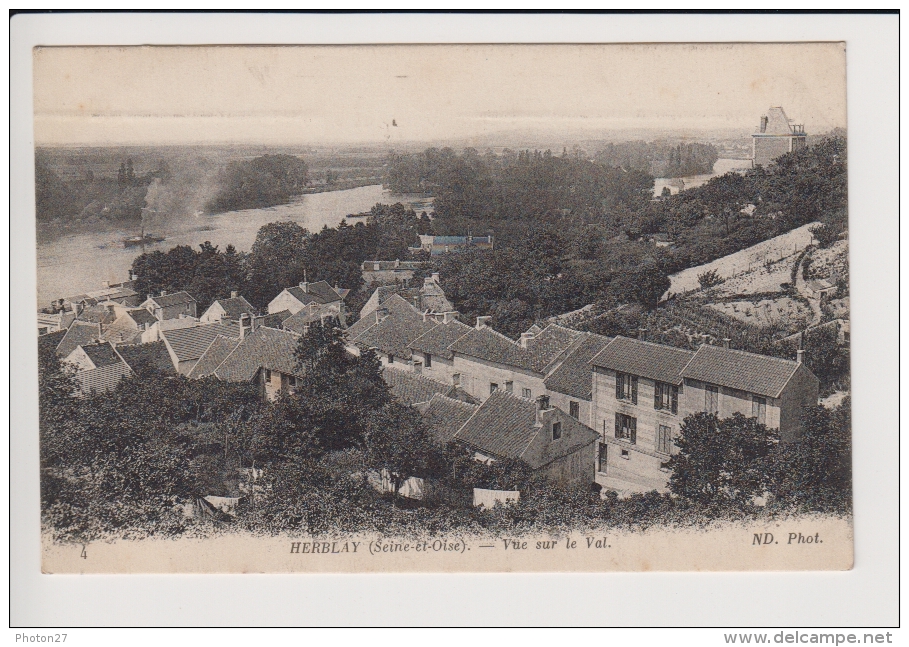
644 284
721 460
276 260
814 472
399 446
709 279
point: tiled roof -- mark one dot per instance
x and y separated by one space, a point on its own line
370 266
101 380
79 334
264 348
273 320
502 426
211 359
51 340
153 355
122 332
392 335
396 307
190 343
174 299
644 359
101 355
445 416
97 314
297 323
411 388
736 369
141 316
549 344
320 292
436 341
234 307
574 375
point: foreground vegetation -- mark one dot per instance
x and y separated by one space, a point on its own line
129 462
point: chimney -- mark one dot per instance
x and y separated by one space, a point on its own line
482 322
416 303
163 293
800 355
150 296
234 294
764 124
435 278
525 337
642 334
133 277
542 406
448 317
397 263
726 341
304 285
105 284
381 313
244 319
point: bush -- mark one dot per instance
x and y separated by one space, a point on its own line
709 279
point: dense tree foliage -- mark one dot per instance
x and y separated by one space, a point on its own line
260 182
661 159
207 274
87 197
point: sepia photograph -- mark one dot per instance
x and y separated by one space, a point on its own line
443 308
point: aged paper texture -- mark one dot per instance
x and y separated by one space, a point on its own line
443 308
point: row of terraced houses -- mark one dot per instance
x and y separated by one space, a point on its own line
576 406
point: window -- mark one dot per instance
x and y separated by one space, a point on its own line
666 397
556 430
664 466
574 409
626 455
417 367
626 387
759 409
602 458
268 375
509 386
664 439
292 380
456 379
391 359
427 360
526 393
493 387
626 427
712 399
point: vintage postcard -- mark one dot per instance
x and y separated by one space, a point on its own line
443 308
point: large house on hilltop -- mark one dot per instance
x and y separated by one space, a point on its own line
297 297
776 136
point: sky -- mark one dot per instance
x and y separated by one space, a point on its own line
422 93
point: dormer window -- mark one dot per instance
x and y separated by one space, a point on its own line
556 430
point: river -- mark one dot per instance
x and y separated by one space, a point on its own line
77 263
720 167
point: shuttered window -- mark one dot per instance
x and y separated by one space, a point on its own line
664 439
626 387
626 427
666 397
712 399
759 409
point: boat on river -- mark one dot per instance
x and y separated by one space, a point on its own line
145 239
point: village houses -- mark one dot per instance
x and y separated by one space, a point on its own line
297 297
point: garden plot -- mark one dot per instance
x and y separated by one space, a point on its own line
784 311
747 260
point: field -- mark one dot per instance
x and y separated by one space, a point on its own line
785 312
